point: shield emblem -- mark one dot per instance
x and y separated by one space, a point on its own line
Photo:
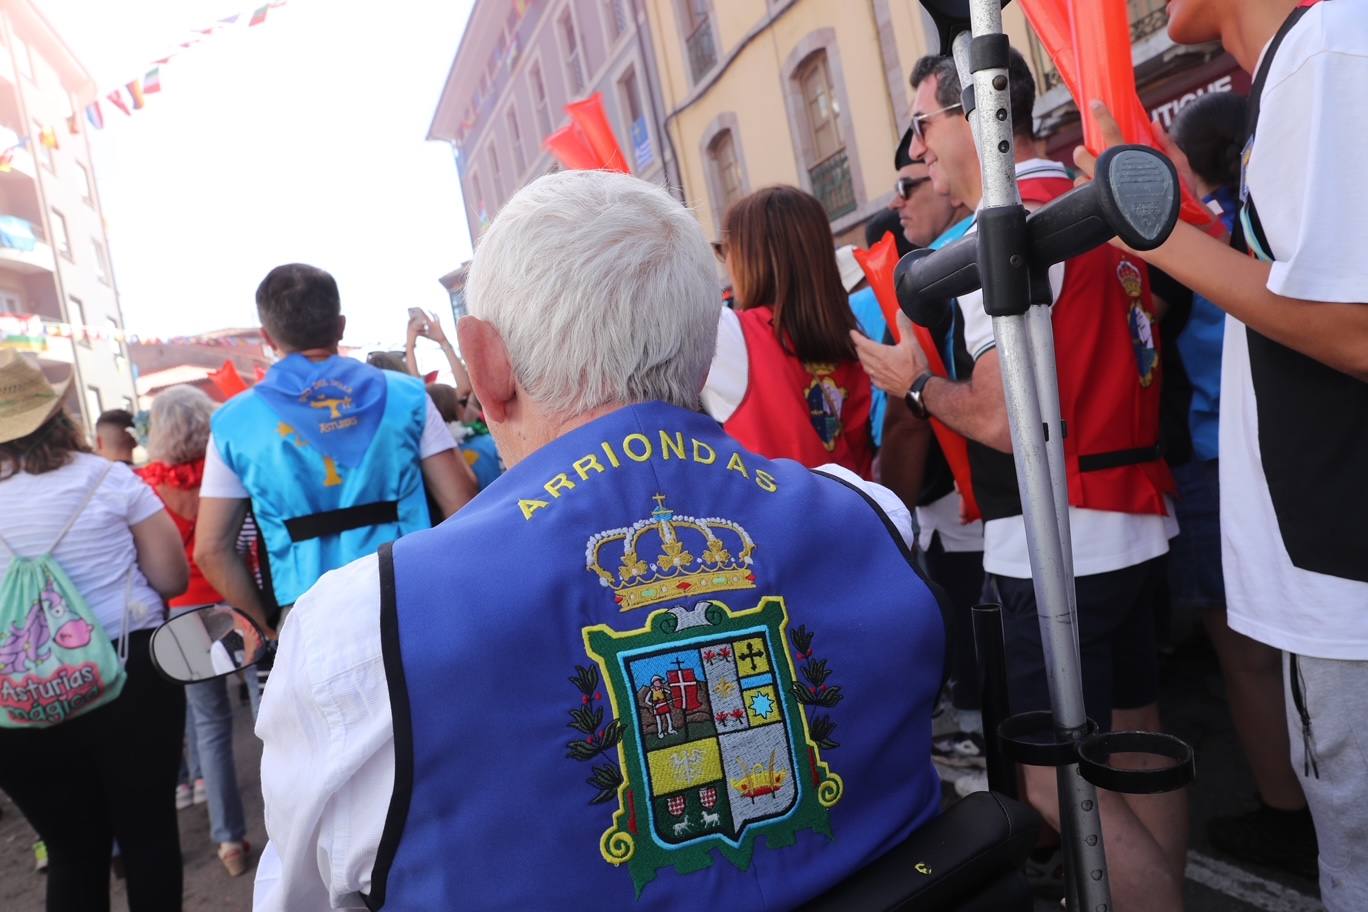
715 747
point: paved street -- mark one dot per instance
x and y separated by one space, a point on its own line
1192 706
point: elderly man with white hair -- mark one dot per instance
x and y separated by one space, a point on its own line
643 667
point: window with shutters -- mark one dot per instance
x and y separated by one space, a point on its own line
727 170
516 141
574 60
539 102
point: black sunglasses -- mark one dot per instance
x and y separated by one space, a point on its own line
906 186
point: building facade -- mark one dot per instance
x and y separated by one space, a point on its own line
518 64
741 94
57 293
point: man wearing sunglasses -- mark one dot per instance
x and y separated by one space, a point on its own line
1119 512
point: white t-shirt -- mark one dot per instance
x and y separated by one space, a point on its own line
1313 204
943 516
329 702
221 481
1102 540
730 370
98 553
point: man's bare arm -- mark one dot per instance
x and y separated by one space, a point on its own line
216 531
976 408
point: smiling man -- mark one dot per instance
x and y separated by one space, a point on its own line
1118 485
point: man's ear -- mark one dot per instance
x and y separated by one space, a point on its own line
487 362
341 326
270 343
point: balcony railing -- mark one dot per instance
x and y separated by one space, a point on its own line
1146 18
831 184
702 50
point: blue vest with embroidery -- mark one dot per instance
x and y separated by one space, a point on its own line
288 480
665 673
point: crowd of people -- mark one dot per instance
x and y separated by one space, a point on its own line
748 529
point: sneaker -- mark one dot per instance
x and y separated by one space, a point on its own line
959 750
234 856
1285 840
971 781
184 797
201 792
40 857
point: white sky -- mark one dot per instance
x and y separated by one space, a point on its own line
301 139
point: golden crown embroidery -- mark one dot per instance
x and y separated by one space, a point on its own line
709 730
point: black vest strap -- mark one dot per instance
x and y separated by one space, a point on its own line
335 522
1096 462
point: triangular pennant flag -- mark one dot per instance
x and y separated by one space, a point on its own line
229 20
23 142
6 161
74 124
94 116
258 17
166 59
116 99
152 81
208 31
136 93
48 138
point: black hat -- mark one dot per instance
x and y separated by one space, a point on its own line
901 158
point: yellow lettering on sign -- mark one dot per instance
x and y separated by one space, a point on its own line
671 444
558 484
582 467
698 446
765 480
612 457
330 477
736 465
529 507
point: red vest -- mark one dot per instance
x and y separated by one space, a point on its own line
811 413
1107 349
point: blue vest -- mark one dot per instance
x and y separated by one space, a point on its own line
289 481
666 673
482 456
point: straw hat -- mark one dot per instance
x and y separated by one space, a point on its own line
26 398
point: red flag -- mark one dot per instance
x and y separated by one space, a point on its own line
588 115
228 381
116 99
572 148
258 17
1090 46
260 373
879 263
430 377
6 161
74 124
136 93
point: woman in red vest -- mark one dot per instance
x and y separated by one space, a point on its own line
786 382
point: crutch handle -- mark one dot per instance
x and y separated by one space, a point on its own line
1134 196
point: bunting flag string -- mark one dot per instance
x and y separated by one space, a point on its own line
19 329
132 95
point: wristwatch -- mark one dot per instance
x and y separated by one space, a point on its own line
913 398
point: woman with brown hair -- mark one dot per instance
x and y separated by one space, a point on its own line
786 382
108 773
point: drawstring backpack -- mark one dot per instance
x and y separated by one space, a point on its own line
56 662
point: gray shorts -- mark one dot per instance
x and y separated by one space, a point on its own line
1327 705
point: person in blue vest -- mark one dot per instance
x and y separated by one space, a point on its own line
333 457
645 667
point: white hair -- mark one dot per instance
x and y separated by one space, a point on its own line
603 289
178 425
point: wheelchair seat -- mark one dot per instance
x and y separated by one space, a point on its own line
967 859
